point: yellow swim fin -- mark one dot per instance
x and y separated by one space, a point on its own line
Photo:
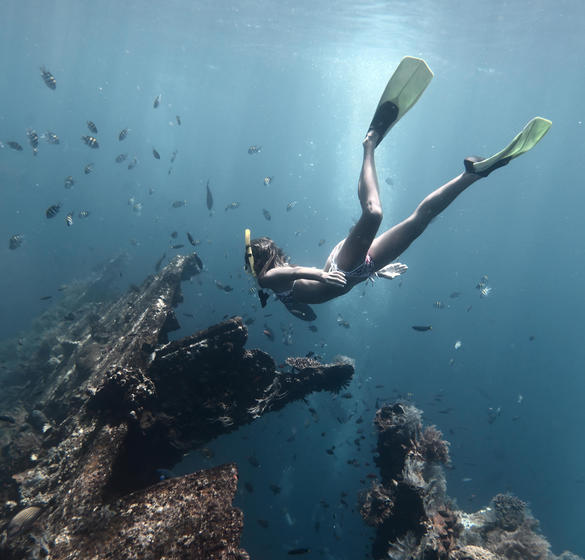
403 90
530 135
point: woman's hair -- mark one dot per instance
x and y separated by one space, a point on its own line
267 255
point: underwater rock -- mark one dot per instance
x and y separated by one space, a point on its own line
91 431
413 515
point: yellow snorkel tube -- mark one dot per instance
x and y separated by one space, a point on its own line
249 255
250 266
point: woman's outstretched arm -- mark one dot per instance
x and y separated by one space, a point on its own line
281 278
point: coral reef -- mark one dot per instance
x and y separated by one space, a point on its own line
410 509
103 400
433 447
510 511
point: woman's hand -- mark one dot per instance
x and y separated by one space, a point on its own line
393 270
334 278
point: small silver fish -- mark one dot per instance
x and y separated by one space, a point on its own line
121 157
155 154
123 134
92 127
48 78
193 242
15 241
209 200
268 180
69 219
69 182
88 168
232 206
422 328
266 214
483 281
83 214
51 137
482 286
342 322
291 205
156 101
133 163
254 149
179 203
33 139
224 287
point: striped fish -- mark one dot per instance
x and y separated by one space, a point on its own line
23 520
52 210
91 141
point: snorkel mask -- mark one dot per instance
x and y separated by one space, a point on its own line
250 266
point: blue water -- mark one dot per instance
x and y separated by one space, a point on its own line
302 79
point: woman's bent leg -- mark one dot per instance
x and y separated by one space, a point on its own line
392 243
355 248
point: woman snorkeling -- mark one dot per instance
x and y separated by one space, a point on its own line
362 255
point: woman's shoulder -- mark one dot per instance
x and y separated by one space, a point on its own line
274 278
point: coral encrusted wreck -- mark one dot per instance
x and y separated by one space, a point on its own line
415 520
104 400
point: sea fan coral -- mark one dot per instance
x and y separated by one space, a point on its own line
522 544
376 505
473 553
404 548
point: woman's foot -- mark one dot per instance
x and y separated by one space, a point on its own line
385 117
371 140
470 168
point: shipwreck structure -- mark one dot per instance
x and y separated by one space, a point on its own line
96 400
103 400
